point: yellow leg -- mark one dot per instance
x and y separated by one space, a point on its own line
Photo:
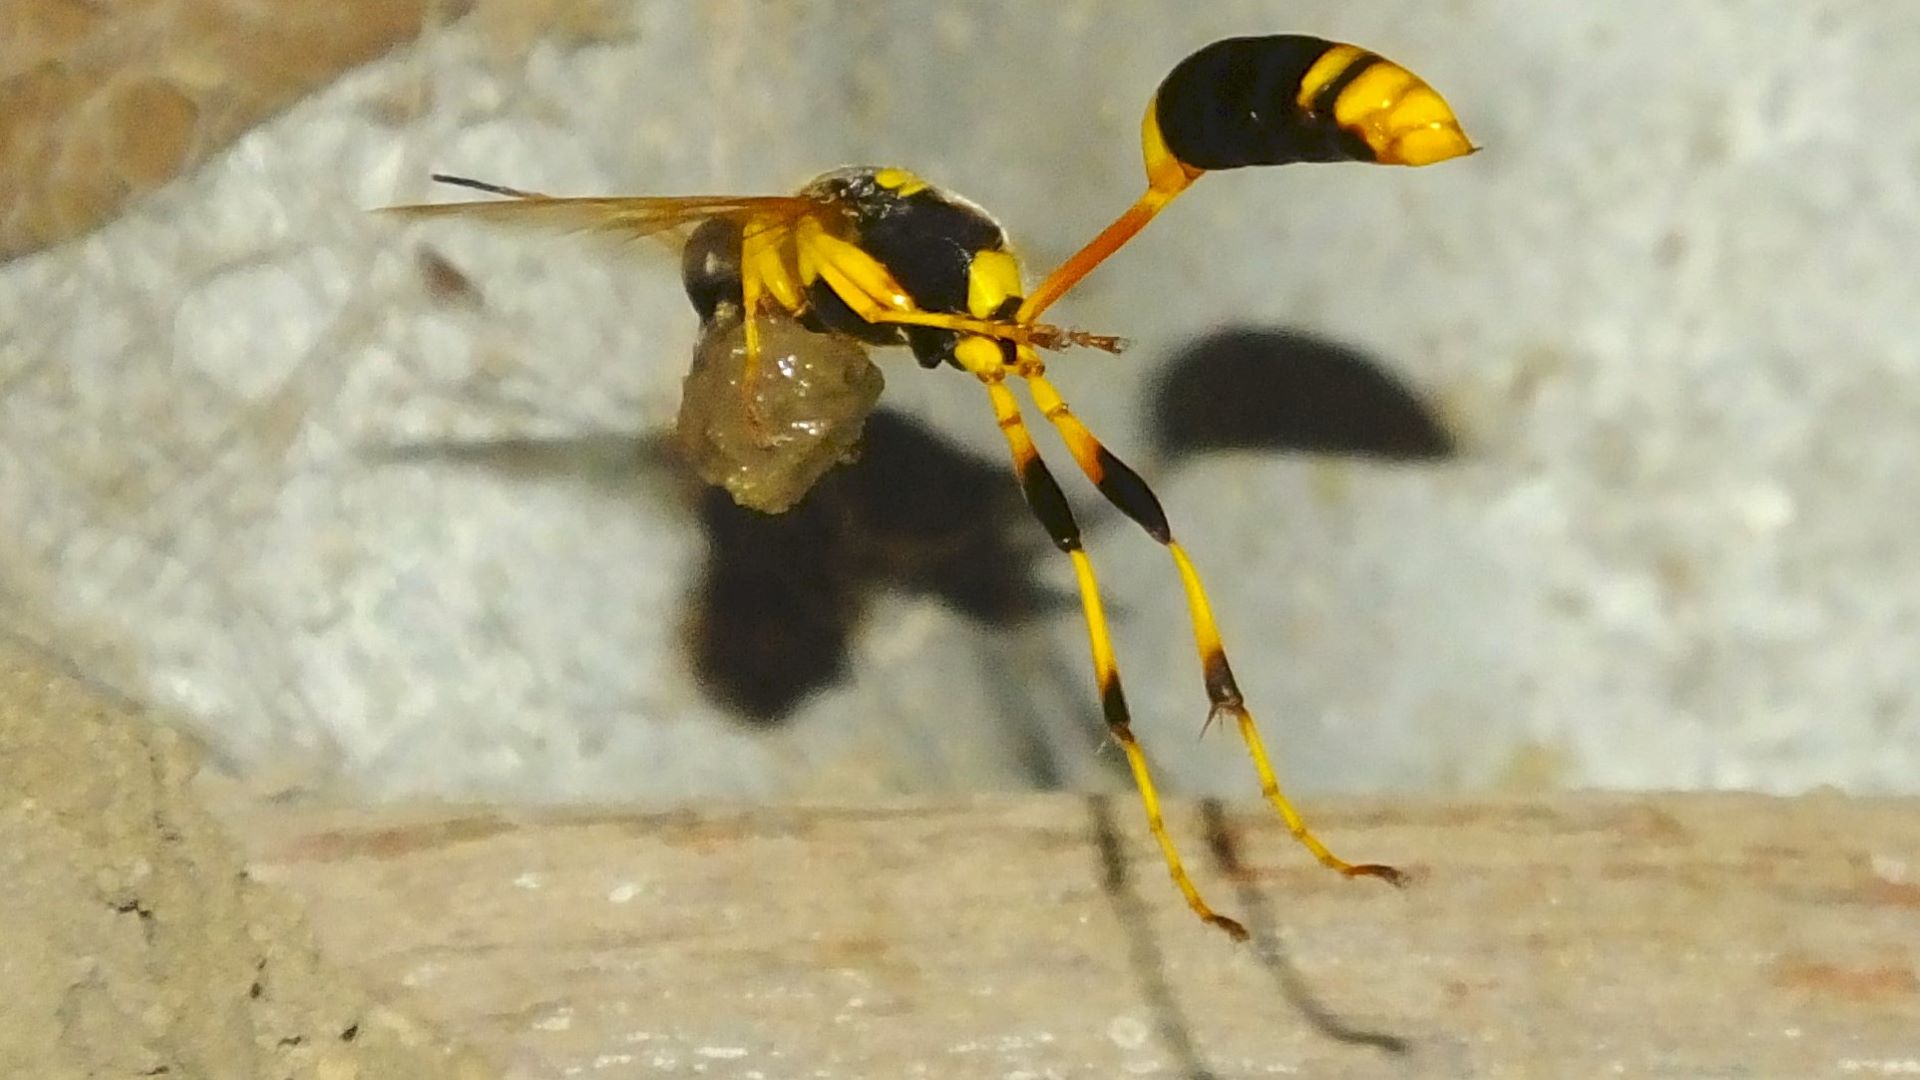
871 292
1128 492
754 250
1050 506
769 278
1034 335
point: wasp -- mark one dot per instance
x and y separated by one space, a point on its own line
879 256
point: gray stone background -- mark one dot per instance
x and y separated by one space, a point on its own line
1668 311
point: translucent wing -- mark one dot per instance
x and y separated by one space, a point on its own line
629 217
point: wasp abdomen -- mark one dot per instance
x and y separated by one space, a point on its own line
1292 98
1232 104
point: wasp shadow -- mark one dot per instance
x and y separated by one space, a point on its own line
782 594
1144 954
771 617
1223 845
1148 959
777 604
1254 388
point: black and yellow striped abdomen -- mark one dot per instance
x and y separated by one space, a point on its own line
1291 98
1268 101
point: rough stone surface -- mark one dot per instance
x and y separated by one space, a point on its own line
136 944
100 104
1668 311
1039 937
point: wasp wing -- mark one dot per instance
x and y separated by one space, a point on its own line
631 217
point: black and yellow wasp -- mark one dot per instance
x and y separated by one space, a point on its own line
880 256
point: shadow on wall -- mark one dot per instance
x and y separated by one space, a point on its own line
781 596
1248 388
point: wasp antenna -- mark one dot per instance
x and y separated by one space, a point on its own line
482 185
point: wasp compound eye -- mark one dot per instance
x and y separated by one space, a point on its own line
710 266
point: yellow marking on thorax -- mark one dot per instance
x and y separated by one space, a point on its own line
900 182
992 277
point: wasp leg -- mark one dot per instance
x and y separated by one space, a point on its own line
871 292
765 277
1130 494
1033 335
1082 262
1167 176
1050 506
751 295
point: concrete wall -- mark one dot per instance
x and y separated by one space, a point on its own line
254 466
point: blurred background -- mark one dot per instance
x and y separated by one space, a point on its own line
1584 461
